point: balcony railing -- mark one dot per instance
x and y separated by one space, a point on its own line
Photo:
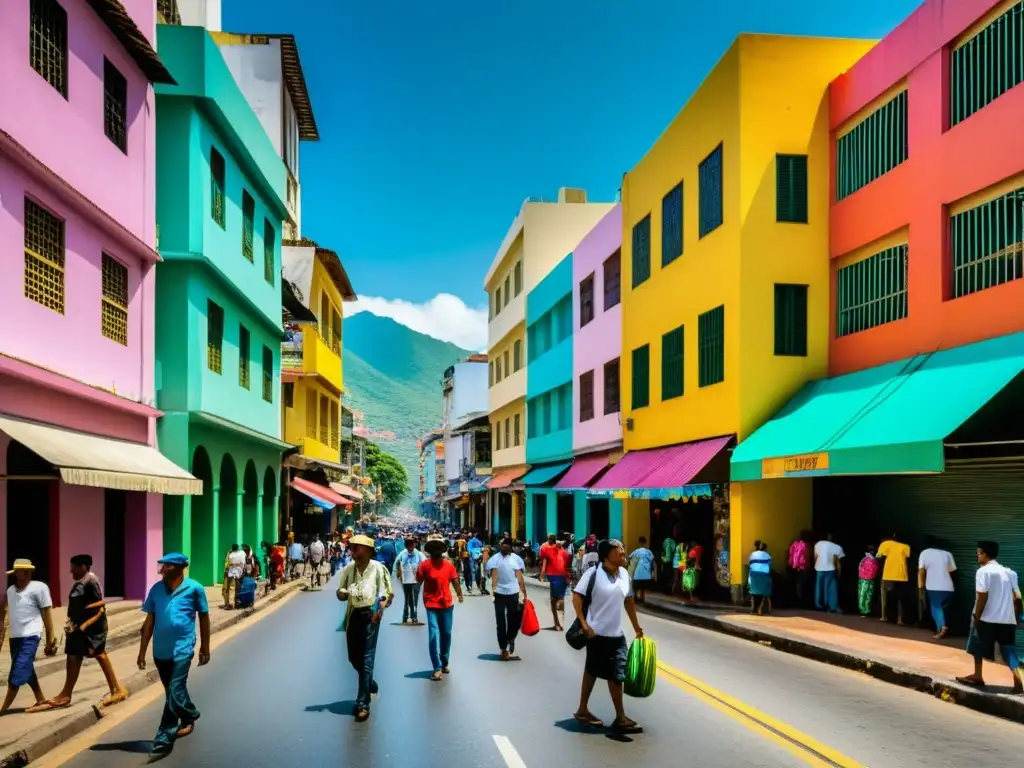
306 350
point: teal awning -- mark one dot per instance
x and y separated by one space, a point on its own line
886 420
545 474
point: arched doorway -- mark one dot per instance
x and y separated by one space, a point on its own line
200 522
271 527
32 508
251 510
228 528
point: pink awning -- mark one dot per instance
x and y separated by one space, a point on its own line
670 467
582 473
344 490
320 493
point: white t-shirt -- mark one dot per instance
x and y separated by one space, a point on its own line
26 608
939 564
605 613
824 551
316 551
1001 585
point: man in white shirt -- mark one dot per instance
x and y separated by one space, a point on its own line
233 571
406 565
828 569
934 565
31 612
509 589
316 559
996 612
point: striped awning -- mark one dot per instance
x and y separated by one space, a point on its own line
321 495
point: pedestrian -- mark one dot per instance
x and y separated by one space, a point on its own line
895 577
294 557
316 559
85 635
509 588
553 567
485 555
602 623
997 609
668 554
799 562
643 570
234 567
827 570
934 566
475 548
438 575
31 614
406 567
867 572
366 586
278 561
171 609
760 579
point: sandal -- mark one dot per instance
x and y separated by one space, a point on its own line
436 676
45 706
114 698
971 681
627 726
362 715
588 720
186 730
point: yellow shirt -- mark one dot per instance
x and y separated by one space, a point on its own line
895 555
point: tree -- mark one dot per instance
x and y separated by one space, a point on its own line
386 472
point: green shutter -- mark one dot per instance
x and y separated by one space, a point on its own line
672 364
709 193
642 250
987 66
790 320
872 292
642 376
791 188
874 147
987 243
711 347
672 225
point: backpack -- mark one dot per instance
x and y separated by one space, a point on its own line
799 555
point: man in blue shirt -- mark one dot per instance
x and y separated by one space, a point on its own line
171 608
475 547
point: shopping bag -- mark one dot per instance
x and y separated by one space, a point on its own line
641 668
531 624
344 619
689 579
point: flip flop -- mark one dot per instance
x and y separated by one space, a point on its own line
970 681
45 706
362 715
186 730
114 698
436 676
630 726
590 722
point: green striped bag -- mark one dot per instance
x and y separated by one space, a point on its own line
641 668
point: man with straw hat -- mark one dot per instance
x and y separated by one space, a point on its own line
366 586
31 610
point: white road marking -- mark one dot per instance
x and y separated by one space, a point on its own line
508 752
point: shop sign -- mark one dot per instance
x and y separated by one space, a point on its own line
801 465
684 492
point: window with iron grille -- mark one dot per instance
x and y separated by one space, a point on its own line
586 300
114 302
167 12
214 336
48 42
508 289
515 430
672 364
248 223
335 427
217 174
711 347
508 430
324 433
288 394
641 376
672 225
874 147
44 257
115 106
872 292
987 243
517 355
709 191
586 396
611 386
243 356
269 246
311 414
642 250
613 280
518 274
791 188
988 65
790 320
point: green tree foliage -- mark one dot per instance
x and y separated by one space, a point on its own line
388 473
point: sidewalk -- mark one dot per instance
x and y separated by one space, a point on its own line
25 737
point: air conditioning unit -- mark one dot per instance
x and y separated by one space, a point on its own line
571 195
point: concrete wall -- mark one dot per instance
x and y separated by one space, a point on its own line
257 70
469 394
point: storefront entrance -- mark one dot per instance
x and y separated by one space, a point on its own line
540 516
689 523
31 511
600 518
115 509
566 516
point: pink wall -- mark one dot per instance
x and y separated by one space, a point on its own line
82 518
144 537
601 339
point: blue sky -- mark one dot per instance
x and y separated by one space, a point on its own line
437 119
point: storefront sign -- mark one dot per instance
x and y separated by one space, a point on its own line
802 465
683 492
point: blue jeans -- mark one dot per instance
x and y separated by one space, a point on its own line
439 635
826 591
469 572
938 602
412 599
179 710
361 637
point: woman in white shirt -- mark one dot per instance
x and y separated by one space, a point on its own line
934 566
610 590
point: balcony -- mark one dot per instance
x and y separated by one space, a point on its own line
307 351
509 389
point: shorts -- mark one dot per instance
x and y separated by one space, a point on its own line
87 646
23 660
984 636
606 658
558 585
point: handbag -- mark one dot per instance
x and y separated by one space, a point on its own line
530 623
574 635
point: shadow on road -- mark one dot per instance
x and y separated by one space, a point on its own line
137 747
340 708
489 657
570 725
423 674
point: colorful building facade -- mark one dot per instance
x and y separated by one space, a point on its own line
79 470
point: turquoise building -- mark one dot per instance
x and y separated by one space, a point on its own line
220 206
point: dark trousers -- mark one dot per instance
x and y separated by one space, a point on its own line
179 710
509 618
361 637
412 599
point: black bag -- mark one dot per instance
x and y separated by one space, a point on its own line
574 635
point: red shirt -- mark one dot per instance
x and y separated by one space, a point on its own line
437 590
556 559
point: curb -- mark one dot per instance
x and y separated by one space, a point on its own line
996 705
34 746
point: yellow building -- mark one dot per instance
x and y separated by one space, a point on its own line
541 235
725 284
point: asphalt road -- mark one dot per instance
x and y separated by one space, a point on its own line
280 694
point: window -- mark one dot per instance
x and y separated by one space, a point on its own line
586 396
324 321
790 320
874 147
248 223
711 347
311 414
243 356
335 427
48 42
115 106
214 336
114 302
44 257
872 292
611 386
496 429
612 280
517 355
642 250
508 293
709 179
335 331
641 376
490 373
987 244
508 429
497 369
517 274
532 407
497 300
547 406
672 364
269 246
504 359
791 188
217 173
565 406
289 394
586 300
563 315
515 430
987 66
672 225
324 433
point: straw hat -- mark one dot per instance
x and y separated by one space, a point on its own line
362 541
21 564
435 545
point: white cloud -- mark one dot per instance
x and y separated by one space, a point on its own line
445 317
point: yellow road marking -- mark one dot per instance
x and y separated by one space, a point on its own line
801 745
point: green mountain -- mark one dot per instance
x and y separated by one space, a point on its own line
393 376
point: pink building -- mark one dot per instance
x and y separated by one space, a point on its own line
79 471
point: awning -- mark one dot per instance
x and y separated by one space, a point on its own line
582 474
886 420
321 495
505 477
347 491
102 462
545 473
667 468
